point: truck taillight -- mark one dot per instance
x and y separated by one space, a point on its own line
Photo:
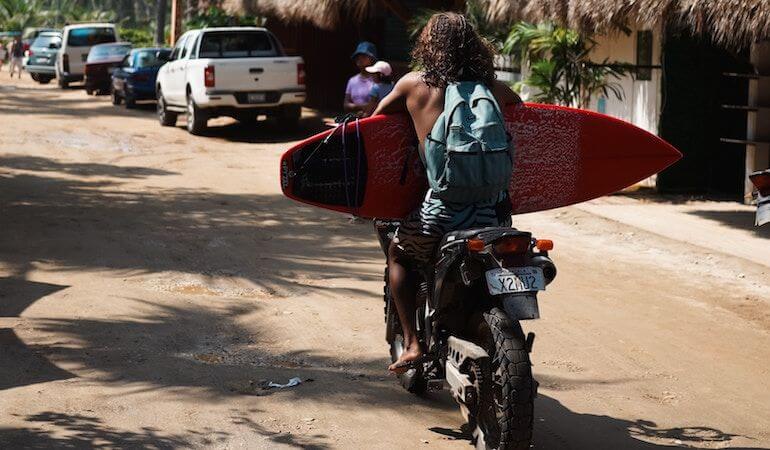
301 74
209 77
65 62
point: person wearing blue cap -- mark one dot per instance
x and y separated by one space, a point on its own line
359 85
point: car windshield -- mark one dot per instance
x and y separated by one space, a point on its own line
31 33
45 41
236 44
86 37
108 52
149 58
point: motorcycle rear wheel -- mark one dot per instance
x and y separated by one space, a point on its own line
412 380
507 424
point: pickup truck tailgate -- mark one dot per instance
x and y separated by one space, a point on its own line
256 74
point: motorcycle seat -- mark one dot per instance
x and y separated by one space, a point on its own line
486 234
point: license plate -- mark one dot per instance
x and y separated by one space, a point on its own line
257 97
515 279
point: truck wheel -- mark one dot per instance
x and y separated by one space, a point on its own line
196 118
130 101
506 421
34 77
165 117
247 118
289 116
44 79
63 83
115 97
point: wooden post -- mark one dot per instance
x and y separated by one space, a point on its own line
758 126
176 21
160 23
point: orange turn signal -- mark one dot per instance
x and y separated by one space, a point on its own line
476 245
544 245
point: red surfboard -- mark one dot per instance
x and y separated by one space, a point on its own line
371 168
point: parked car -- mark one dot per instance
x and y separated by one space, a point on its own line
102 60
239 72
77 41
135 78
28 37
42 56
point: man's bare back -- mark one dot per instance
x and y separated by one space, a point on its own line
425 104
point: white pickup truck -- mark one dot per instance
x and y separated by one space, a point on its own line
240 72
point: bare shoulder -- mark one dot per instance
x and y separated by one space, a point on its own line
410 81
504 94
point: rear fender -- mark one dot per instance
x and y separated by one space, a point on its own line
521 306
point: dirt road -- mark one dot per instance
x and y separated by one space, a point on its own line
150 281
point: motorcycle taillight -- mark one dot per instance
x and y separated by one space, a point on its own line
512 245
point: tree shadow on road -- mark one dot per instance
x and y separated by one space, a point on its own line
234 247
221 358
60 430
558 427
740 219
49 429
39 164
271 242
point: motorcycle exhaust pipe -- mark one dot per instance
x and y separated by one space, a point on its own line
545 263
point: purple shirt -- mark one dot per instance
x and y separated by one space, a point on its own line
358 88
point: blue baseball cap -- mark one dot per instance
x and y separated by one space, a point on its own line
365 48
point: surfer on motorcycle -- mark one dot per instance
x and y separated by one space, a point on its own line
448 51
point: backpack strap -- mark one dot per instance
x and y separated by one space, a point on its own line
454 100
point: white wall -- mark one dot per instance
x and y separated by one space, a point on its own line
642 99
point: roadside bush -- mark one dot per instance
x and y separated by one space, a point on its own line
139 37
218 17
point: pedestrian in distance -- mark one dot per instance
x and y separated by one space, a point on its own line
359 85
3 54
383 83
17 55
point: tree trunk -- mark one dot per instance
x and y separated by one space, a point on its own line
160 23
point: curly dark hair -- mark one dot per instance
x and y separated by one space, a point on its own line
449 50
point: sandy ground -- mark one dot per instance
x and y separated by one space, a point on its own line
151 281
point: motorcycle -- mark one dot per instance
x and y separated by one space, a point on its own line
761 181
469 306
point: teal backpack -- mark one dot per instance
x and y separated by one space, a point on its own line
466 153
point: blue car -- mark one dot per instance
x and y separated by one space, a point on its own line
134 79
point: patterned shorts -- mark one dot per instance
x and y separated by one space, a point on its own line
419 234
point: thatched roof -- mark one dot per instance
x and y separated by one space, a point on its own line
728 22
325 14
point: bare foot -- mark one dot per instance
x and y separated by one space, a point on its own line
409 355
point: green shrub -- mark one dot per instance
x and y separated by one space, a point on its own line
139 37
218 17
